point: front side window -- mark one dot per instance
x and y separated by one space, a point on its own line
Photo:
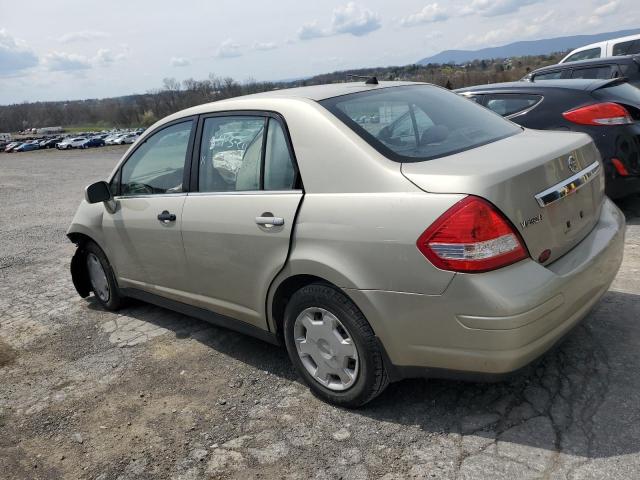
510 104
626 48
584 55
416 123
157 166
603 72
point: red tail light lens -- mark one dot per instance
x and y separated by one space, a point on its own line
472 236
599 114
620 168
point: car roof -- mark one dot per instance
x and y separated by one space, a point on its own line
310 93
594 61
322 92
587 85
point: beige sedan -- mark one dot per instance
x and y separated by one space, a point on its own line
378 230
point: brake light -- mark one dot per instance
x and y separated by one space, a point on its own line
620 168
599 114
472 236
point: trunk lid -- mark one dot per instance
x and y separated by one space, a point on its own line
562 169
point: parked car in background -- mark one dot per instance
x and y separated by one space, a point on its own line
126 139
50 142
601 68
608 48
446 240
607 110
72 142
92 142
112 139
27 147
10 146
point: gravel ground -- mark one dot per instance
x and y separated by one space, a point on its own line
147 393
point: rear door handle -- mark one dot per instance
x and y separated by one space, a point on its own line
166 217
269 221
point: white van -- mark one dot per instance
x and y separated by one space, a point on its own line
609 48
5 137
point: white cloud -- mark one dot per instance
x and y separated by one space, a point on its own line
355 20
15 55
66 62
180 62
264 46
84 36
229 49
493 8
596 17
350 18
513 31
431 13
607 8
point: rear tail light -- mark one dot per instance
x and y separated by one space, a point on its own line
620 168
599 114
472 236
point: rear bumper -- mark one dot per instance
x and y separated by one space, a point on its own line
496 322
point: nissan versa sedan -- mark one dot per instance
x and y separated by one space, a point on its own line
378 230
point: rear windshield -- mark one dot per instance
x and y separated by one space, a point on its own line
623 92
421 122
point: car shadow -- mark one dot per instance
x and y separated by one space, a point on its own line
630 206
575 399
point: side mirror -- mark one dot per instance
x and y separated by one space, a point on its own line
97 192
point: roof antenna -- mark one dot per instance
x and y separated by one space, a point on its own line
369 80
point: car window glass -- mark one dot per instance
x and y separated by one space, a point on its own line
592 72
473 98
231 154
416 123
279 173
585 55
627 48
510 104
548 75
157 166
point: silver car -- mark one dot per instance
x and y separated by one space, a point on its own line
378 230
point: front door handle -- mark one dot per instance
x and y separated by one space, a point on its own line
166 217
269 221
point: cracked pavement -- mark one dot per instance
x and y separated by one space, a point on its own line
147 393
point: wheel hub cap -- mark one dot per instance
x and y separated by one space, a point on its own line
97 277
326 348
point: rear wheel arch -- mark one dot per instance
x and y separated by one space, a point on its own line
287 287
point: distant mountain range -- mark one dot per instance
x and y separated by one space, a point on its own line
530 47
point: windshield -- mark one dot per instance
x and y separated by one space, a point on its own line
624 93
421 122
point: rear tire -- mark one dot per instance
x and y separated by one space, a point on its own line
102 279
348 378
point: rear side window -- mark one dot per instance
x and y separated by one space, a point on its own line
244 153
230 154
510 104
585 55
548 76
603 72
627 48
415 123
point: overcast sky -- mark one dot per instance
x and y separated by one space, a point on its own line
74 49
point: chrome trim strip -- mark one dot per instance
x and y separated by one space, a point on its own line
245 192
568 186
150 195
